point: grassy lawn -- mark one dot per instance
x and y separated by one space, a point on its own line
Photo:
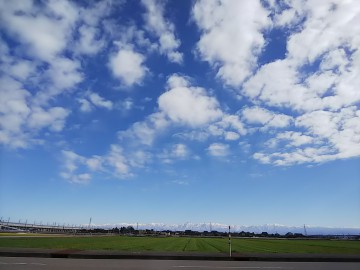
185 244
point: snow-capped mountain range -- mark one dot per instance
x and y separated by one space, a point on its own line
269 228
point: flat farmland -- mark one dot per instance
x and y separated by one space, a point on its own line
185 244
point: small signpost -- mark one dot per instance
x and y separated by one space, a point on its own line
229 242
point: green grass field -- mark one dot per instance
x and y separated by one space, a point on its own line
180 244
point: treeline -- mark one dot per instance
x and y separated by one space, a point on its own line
130 230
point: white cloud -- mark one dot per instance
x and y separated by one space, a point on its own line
95 163
89 41
329 25
175 152
13 104
65 73
177 80
85 105
37 27
54 118
21 120
229 127
218 149
117 160
291 83
231 136
92 100
100 102
340 129
330 136
180 182
42 32
316 83
189 105
128 66
71 164
93 15
258 115
146 131
292 139
139 158
180 150
21 69
162 29
291 15
231 37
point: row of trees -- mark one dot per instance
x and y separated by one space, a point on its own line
132 231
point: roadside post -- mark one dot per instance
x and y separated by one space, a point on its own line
229 242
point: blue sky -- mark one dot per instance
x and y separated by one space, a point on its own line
237 112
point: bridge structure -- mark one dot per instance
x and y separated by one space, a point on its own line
9 226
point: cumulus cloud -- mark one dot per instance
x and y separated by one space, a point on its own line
329 136
99 101
231 136
41 33
116 159
189 105
128 66
218 149
307 102
316 83
231 43
177 80
71 164
91 100
258 115
81 170
291 83
89 41
54 118
177 151
43 36
229 127
163 29
21 120
146 131
20 69
64 73
180 150
291 138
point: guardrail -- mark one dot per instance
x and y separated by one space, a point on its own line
23 227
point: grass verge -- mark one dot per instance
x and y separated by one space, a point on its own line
185 244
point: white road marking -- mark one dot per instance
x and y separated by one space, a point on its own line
232 267
22 263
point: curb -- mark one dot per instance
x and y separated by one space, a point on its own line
91 254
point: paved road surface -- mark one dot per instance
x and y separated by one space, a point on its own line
79 264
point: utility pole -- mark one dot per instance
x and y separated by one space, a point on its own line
229 242
305 230
90 226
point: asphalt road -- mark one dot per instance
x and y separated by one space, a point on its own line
79 264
